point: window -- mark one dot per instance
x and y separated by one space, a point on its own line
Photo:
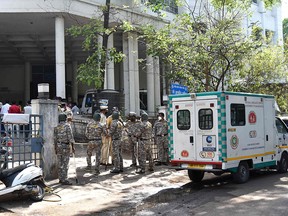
254 1
281 128
169 5
205 117
238 115
88 102
183 120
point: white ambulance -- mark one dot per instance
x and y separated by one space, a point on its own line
225 132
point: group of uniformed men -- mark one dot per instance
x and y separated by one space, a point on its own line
105 138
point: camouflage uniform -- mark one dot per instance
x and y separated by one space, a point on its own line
94 132
134 132
160 132
145 146
63 137
115 132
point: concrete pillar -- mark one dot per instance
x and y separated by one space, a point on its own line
150 85
157 94
131 69
27 81
60 57
74 82
49 110
136 72
126 73
109 72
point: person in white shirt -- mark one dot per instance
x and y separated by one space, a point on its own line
5 108
75 110
27 110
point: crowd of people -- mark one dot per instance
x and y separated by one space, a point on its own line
104 134
15 108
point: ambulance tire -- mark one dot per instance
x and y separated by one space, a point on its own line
196 175
283 164
242 175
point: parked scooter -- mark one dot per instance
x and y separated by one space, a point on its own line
23 179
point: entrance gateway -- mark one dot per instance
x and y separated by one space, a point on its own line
22 137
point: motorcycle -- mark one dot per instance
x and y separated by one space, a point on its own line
23 179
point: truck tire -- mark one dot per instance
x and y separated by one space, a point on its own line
196 175
242 174
283 163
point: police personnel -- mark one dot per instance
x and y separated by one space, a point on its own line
94 132
63 141
115 132
133 128
145 148
160 131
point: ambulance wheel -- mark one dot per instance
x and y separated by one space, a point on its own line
196 175
39 195
283 164
242 174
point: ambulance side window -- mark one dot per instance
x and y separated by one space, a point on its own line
205 117
88 102
237 114
281 128
183 120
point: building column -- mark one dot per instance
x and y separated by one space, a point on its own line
74 82
60 57
131 73
27 81
157 94
126 73
109 82
262 11
150 85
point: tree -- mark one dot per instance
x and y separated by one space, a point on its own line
92 72
202 50
209 51
285 33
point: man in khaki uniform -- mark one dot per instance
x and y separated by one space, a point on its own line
105 139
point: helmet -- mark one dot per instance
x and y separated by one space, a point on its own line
103 107
115 115
62 117
144 116
132 114
96 116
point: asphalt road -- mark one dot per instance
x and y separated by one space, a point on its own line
163 192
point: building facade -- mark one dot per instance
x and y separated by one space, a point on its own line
35 48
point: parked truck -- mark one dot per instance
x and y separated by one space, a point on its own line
222 132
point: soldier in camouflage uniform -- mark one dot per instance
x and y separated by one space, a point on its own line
133 128
63 141
94 132
145 145
115 132
160 132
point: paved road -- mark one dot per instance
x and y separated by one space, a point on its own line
163 192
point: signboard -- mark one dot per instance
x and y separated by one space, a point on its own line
178 89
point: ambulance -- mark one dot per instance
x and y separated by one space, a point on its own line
222 132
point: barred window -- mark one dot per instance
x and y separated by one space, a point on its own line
183 120
205 117
237 114
169 5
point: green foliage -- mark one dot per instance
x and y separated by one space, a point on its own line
285 33
202 51
270 3
211 52
92 71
